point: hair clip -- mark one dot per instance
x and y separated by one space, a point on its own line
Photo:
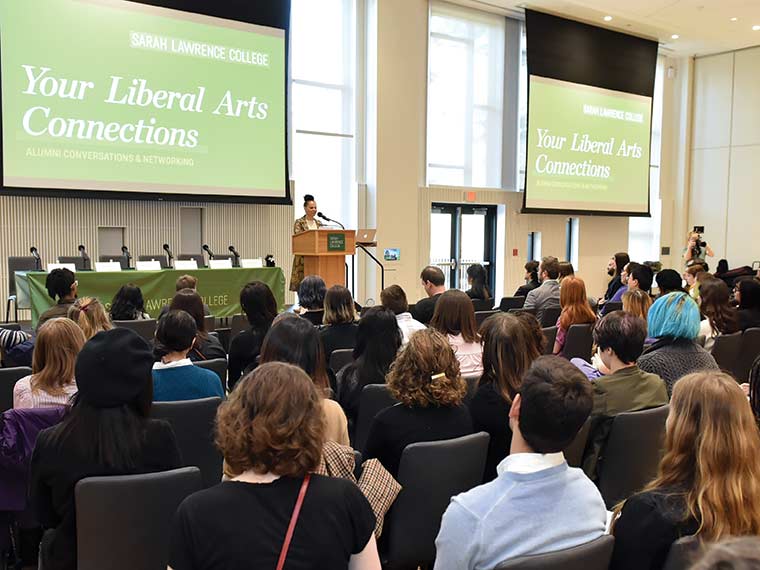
437 376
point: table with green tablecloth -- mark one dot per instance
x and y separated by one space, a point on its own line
220 288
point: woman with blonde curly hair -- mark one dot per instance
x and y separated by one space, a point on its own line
708 483
425 379
271 430
90 315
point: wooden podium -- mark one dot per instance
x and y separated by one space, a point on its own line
324 252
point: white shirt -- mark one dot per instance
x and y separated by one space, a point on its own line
176 364
312 224
707 331
469 355
25 397
529 462
408 325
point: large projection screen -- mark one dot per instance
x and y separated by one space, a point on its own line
589 118
116 96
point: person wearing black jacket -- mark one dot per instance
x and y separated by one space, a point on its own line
531 279
614 268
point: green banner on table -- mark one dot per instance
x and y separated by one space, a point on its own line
220 288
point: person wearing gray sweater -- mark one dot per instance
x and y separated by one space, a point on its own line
537 504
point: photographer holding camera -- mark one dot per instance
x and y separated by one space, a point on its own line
696 248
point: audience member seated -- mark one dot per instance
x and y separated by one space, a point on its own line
674 322
61 285
669 281
537 504
690 276
637 303
311 299
106 432
10 339
425 380
206 347
747 295
509 348
455 317
636 277
615 267
128 304
174 375
394 298
741 553
260 308
707 482
531 279
90 315
575 310
377 342
547 295
476 279
296 341
566 269
272 431
622 290
718 316
339 330
186 282
625 388
434 284
52 381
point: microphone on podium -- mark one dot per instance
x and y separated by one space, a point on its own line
36 256
125 252
85 257
168 251
325 218
207 249
235 256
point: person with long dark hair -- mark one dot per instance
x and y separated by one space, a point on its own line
296 341
614 269
311 299
377 341
718 316
61 285
454 317
477 278
531 279
108 431
747 295
260 308
206 347
128 304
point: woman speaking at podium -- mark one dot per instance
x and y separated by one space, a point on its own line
302 224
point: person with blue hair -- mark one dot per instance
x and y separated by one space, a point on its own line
674 321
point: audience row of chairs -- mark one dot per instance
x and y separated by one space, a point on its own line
736 352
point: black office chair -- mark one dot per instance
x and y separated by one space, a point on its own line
146 328
550 335
79 262
161 258
482 304
549 316
578 342
239 324
632 454
198 257
430 473
749 351
508 303
16 263
340 357
124 522
574 451
209 321
517 311
121 259
683 553
8 379
218 365
610 306
594 555
373 399
726 351
481 316
193 423
10 326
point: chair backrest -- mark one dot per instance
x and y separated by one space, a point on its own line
594 555
574 451
481 316
430 473
76 260
549 316
726 351
198 257
578 342
482 304
373 399
8 379
508 303
218 365
124 522
632 453
10 326
517 311
683 553
610 306
340 357
238 324
19 263
146 328
120 258
160 257
193 424
550 335
750 350
209 321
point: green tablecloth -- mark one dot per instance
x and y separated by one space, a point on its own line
220 288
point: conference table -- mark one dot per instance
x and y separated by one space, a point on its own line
219 288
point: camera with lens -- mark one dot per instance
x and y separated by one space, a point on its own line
699 230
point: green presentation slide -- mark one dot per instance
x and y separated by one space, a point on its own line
119 96
588 148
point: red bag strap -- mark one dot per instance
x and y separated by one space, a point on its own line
293 520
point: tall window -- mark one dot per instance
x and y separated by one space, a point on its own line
322 105
465 97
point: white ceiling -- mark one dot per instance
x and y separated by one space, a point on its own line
704 26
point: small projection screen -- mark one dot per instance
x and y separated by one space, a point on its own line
135 99
589 118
